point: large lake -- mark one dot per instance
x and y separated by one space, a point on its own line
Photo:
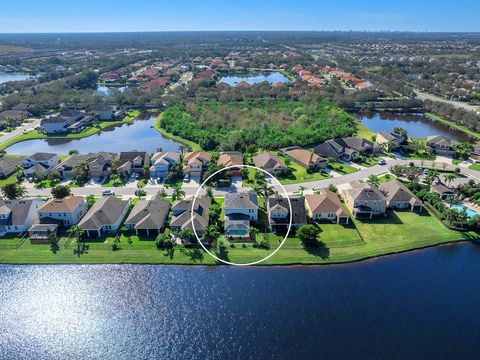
5 77
136 136
108 90
424 304
271 77
417 125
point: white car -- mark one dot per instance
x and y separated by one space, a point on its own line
108 193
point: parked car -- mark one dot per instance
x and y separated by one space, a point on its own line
108 193
159 180
382 162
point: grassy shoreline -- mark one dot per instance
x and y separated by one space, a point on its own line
360 241
89 131
453 125
193 145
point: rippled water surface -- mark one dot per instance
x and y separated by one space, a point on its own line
419 305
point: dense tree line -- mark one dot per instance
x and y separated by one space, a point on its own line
250 124
468 119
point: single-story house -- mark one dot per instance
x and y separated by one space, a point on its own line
443 190
148 216
279 213
104 216
399 197
390 140
9 165
269 162
326 206
231 158
305 158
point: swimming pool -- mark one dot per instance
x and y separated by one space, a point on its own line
470 212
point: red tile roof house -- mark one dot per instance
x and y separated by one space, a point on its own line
231 158
305 158
243 84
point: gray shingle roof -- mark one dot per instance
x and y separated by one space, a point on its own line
241 200
149 214
105 211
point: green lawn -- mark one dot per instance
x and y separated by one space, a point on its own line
453 125
364 132
342 168
360 240
300 174
475 167
193 145
10 180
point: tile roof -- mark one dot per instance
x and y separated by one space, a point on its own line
325 202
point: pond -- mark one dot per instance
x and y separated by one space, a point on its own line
5 77
416 125
418 305
271 77
107 90
136 136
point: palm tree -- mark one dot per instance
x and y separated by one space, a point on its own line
373 180
76 232
210 234
450 177
178 193
264 189
431 176
209 192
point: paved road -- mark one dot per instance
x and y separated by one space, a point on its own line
458 104
20 130
291 189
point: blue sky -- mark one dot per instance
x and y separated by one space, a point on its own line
186 15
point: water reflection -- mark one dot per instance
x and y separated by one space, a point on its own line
140 135
417 125
271 77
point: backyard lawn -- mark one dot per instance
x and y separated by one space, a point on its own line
401 231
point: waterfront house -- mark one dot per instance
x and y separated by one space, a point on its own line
231 158
40 233
399 197
60 123
305 158
364 200
104 112
162 163
347 148
443 190
439 145
133 162
16 216
240 209
269 162
325 206
40 164
9 165
278 210
389 140
182 215
196 163
65 212
104 216
148 216
71 166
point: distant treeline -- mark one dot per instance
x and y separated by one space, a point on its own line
469 119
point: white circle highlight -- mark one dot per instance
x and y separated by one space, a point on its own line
229 262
